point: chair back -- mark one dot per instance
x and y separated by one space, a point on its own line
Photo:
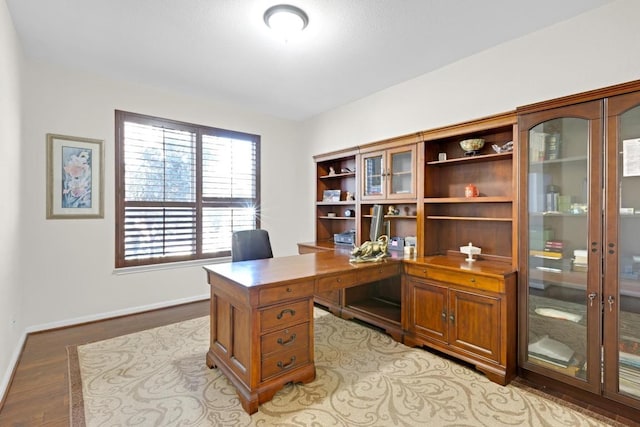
250 244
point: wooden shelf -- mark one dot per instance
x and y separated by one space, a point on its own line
338 175
492 199
469 218
378 307
394 216
561 160
341 202
337 217
472 159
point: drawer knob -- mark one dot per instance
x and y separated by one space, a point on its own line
289 290
287 342
338 280
285 311
286 365
472 280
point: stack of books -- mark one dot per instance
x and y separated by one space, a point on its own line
579 262
553 249
555 355
629 365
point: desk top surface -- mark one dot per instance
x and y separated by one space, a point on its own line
290 268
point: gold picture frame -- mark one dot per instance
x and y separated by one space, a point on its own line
75 175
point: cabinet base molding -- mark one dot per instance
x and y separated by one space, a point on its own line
497 374
625 414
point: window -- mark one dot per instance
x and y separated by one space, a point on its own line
182 189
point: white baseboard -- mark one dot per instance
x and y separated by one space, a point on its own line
111 314
13 363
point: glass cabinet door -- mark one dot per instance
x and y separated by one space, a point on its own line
622 258
373 178
401 173
561 250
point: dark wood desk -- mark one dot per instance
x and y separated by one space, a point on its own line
262 317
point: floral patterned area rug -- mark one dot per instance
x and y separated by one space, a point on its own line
158 377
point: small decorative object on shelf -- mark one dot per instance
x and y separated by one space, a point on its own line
349 196
371 251
331 196
472 146
442 157
471 191
332 171
503 149
470 250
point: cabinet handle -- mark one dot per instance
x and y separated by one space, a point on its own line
286 365
452 318
591 297
444 315
283 312
610 300
287 342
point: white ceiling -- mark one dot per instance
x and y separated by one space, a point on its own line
222 49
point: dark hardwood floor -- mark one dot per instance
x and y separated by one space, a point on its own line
39 392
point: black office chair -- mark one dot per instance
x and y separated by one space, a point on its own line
250 244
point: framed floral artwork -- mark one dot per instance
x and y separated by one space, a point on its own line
74 177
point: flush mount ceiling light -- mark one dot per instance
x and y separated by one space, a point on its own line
286 20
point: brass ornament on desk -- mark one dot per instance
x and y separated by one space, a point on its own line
371 251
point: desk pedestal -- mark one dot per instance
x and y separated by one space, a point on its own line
261 337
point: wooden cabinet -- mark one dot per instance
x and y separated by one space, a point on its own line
579 251
337 208
465 310
450 218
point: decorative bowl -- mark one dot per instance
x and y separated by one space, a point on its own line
472 145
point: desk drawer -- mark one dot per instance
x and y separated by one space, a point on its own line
281 363
337 281
285 339
286 292
468 279
284 315
378 272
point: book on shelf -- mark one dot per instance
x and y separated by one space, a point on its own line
546 254
571 368
551 350
582 253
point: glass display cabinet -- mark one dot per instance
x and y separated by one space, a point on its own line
579 252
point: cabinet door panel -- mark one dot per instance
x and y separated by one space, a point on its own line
560 250
428 315
474 321
621 293
373 176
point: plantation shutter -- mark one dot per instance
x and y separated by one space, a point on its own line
182 189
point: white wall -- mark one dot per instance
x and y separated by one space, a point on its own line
11 290
593 50
69 264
